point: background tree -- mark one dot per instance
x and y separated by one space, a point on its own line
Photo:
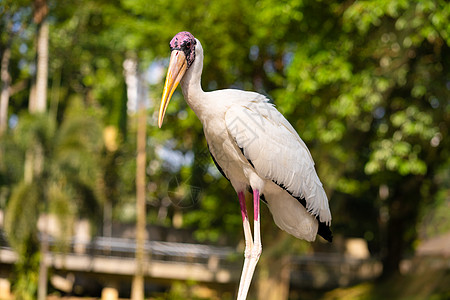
65 188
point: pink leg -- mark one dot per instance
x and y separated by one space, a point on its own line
246 224
256 205
256 216
253 248
241 197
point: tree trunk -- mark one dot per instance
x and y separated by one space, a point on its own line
42 68
5 92
273 280
394 246
138 280
136 90
43 268
400 230
4 95
38 104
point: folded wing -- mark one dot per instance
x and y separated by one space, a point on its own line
277 152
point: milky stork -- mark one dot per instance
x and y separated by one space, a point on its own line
256 149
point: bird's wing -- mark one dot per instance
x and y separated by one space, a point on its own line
277 152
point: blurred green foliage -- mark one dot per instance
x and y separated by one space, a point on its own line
365 83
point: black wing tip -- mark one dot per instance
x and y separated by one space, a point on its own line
325 232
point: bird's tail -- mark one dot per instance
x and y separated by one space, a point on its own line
290 215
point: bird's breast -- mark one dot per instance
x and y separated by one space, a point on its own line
225 151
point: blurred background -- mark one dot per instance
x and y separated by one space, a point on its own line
365 83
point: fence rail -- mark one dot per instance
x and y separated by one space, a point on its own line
184 261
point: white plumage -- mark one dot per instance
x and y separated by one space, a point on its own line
272 151
255 147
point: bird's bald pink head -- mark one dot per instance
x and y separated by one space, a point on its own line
184 41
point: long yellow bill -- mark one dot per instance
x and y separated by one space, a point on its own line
177 68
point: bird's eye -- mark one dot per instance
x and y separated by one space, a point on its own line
188 44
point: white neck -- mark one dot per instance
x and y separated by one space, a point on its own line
191 82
